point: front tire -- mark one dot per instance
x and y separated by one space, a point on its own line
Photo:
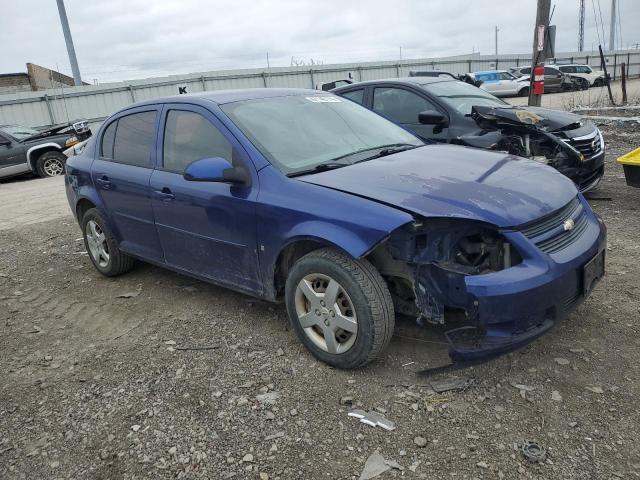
102 247
51 164
524 92
340 308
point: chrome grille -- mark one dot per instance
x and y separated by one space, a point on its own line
588 145
549 233
557 243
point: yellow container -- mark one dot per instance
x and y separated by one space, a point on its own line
631 164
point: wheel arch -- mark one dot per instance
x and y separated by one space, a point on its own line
299 245
82 205
34 152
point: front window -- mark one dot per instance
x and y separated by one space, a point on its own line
300 133
400 105
583 69
18 132
462 97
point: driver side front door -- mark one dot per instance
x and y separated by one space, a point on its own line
402 106
205 228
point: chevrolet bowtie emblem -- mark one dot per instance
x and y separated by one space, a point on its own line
568 225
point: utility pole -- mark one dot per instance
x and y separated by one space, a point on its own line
497 30
77 80
537 58
581 28
612 26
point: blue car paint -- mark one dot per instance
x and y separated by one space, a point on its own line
354 209
451 181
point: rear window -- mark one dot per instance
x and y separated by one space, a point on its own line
134 139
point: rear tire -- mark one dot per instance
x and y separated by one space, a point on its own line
51 164
102 247
326 290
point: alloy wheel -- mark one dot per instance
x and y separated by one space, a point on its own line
53 167
326 313
97 243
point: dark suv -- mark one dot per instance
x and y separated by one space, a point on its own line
451 111
26 150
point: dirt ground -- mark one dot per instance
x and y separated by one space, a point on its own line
181 379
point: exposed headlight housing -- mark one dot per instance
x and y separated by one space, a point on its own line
463 246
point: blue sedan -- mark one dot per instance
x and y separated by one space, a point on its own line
303 197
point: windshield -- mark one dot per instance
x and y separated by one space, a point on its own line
299 133
18 131
462 96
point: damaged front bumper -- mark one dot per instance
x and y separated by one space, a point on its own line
508 309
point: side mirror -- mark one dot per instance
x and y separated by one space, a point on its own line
432 117
5 142
217 170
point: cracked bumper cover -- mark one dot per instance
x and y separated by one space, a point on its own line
508 309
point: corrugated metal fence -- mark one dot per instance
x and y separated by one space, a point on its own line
94 103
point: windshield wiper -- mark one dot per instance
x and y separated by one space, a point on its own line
390 150
321 167
332 164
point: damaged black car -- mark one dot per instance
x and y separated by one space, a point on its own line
445 110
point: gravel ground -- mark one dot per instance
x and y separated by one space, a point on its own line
155 375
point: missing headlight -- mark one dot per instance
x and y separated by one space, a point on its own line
484 252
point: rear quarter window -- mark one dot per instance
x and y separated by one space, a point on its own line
355 95
106 145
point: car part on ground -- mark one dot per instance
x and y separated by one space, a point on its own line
305 197
373 419
26 150
442 110
631 164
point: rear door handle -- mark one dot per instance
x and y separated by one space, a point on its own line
104 182
165 194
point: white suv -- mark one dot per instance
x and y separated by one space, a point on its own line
501 83
587 76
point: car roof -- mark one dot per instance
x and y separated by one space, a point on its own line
221 97
489 71
420 81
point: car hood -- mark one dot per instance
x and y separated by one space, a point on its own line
548 120
452 181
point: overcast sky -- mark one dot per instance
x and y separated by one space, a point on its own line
126 39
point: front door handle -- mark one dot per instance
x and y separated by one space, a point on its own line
165 194
104 182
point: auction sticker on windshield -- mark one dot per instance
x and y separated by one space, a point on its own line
324 99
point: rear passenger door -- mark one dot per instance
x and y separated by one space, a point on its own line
402 106
121 174
205 228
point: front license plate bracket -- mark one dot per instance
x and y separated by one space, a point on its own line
592 272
